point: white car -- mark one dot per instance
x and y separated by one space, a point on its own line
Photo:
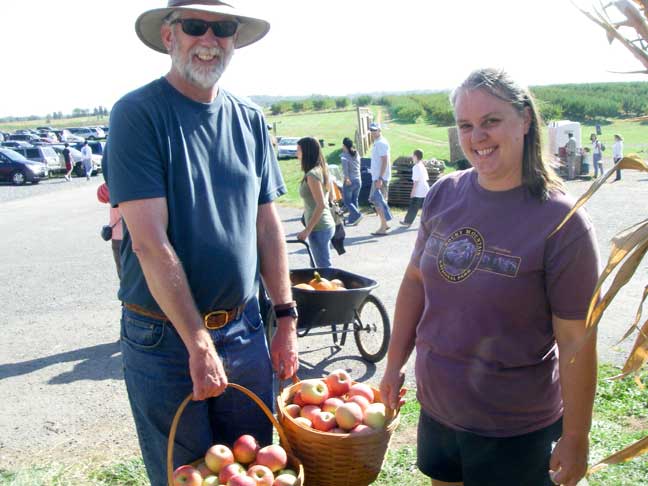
287 148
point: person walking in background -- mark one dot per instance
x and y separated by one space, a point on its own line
352 182
86 152
506 374
617 153
570 150
597 155
67 159
315 192
200 231
420 188
380 176
114 221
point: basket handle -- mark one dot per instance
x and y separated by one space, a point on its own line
250 394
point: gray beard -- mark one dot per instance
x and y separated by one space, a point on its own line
198 75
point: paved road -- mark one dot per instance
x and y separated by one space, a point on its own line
59 359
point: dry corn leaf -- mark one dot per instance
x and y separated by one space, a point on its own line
637 317
634 450
625 273
631 162
638 356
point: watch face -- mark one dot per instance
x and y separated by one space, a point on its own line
291 312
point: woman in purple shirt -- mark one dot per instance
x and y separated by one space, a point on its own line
494 302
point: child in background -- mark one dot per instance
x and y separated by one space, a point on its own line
419 189
115 223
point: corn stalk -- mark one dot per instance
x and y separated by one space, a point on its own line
631 244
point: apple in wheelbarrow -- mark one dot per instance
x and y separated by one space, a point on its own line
187 476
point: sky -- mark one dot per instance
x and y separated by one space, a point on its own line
57 56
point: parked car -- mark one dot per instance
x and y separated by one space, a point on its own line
44 154
17 169
87 133
96 146
24 137
77 160
15 143
287 148
65 135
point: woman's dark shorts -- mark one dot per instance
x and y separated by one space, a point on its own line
451 455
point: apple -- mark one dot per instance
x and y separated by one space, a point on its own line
210 480
230 471
218 456
241 480
245 449
338 382
362 390
261 474
292 472
330 404
298 400
309 412
324 421
304 421
204 470
285 480
314 392
375 416
361 429
273 456
187 476
348 415
360 400
293 410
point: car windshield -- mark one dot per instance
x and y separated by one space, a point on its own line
48 152
13 155
288 141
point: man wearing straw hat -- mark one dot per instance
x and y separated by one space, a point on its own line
193 171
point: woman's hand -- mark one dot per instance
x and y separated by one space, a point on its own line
390 387
347 182
302 235
568 462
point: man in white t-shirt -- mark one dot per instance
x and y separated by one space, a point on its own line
86 153
380 175
420 187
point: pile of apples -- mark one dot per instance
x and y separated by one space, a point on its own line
337 405
245 464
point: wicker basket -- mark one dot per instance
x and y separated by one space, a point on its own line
293 461
336 459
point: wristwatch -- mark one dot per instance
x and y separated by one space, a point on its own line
286 310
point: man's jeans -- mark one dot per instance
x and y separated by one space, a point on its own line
350 196
376 196
156 371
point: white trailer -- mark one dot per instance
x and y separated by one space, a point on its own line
558 134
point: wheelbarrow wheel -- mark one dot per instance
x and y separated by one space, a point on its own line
372 329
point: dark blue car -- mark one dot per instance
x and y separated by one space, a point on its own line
17 169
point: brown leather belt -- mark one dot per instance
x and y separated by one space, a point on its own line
212 320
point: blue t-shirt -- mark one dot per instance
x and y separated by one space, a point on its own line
214 164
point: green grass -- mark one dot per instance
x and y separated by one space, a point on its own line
620 418
66 122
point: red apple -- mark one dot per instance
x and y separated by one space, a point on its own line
309 412
314 392
324 421
361 429
204 470
339 382
360 400
348 415
241 480
298 400
362 390
285 480
375 416
245 449
218 456
187 476
211 480
272 456
261 474
304 421
293 410
330 404
230 471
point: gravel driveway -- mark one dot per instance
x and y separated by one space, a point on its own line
60 367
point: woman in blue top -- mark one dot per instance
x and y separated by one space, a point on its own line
351 191
314 191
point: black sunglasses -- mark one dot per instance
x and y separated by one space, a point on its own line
198 27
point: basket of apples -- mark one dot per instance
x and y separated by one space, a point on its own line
340 429
245 463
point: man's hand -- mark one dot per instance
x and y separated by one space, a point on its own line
378 183
207 373
283 349
568 462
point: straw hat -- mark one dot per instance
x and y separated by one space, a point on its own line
148 24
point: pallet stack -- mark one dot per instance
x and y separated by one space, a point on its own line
401 183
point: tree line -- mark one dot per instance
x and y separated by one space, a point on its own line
98 111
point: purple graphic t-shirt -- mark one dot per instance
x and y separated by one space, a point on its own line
486 355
